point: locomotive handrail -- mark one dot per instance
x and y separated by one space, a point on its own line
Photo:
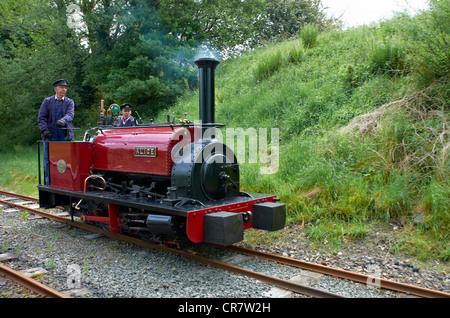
160 125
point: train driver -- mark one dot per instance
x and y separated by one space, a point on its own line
55 119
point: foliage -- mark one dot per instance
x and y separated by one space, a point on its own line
288 17
135 51
138 63
276 57
34 53
222 24
309 34
234 26
431 35
387 59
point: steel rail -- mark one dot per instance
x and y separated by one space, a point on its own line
361 278
285 284
31 284
21 196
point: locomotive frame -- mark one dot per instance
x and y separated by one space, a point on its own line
125 179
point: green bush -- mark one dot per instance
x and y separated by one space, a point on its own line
430 51
309 34
276 57
437 207
387 58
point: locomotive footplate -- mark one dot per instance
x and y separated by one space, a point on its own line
266 212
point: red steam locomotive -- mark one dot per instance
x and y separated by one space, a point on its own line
162 182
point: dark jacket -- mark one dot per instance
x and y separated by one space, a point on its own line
130 122
46 116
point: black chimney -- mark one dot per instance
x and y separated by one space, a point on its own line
206 91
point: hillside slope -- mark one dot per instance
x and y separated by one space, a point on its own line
362 117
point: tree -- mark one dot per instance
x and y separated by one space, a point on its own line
140 62
223 25
285 18
36 50
135 51
236 25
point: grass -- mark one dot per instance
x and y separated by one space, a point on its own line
276 57
18 171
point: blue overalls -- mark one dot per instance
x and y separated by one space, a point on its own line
57 135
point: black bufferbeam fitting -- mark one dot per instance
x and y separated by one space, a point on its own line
206 91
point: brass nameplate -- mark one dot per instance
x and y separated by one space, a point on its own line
61 166
145 152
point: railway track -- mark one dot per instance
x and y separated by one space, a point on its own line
284 284
30 283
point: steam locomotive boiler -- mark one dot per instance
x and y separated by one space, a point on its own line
162 182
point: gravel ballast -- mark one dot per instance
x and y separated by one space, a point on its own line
101 267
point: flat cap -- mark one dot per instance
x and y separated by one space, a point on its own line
60 82
126 106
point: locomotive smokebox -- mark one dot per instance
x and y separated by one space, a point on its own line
206 90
